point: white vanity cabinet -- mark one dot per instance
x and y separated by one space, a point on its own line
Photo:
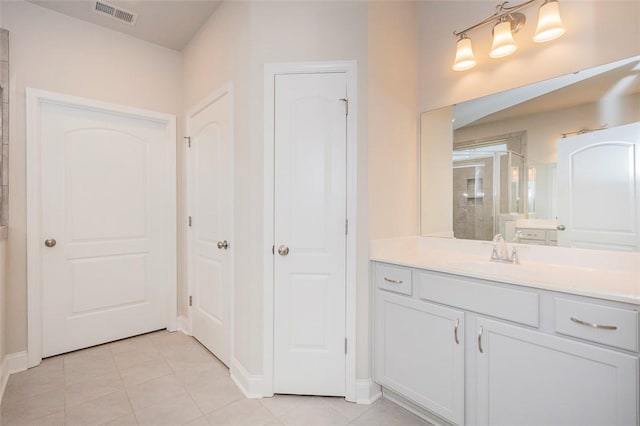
515 358
528 377
420 353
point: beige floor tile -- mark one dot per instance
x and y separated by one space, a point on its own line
135 358
93 388
128 420
316 413
155 391
348 409
144 373
82 366
385 413
280 405
245 412
33 407
56 419
45 378
100 410
175 411
166 339
199 377
200 421
132 344
212 396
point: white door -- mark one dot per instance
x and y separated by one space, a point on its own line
310 217
525 377
106 212
599 189
211 211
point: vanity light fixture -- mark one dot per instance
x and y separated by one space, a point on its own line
508 21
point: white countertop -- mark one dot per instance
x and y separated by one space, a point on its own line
594 273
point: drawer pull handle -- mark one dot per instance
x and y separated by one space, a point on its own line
455 331
480 341
588 324
389 280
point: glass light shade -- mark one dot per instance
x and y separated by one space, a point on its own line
464 55
549 23
503 42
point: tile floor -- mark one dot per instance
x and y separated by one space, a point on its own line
165 378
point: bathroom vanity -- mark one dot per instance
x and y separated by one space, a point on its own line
461 340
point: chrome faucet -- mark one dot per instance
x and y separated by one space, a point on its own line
500 251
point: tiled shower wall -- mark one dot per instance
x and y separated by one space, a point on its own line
4 128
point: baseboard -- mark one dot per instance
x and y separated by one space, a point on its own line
367 391
251 385
184 325
12 363
414 408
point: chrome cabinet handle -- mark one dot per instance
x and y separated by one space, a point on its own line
223 244
561 227
455 331
389 280
50 242
283 250
480 340
588 324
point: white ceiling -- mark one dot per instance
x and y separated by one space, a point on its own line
169 23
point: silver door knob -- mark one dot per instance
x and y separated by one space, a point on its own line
50 242
283 250
223 244
560 227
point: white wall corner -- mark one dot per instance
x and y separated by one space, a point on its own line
251 385
12 363
367 391
184 325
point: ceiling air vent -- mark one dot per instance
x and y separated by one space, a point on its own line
114 12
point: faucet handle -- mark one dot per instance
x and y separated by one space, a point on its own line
498 238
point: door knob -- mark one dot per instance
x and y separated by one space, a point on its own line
223 244
50 242
283 250
560 227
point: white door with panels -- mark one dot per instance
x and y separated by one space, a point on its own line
107 224
599 189
210 199
310 234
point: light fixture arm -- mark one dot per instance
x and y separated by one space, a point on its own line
502 10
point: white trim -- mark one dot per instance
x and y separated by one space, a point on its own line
11 363
184 325
270 71
414 408
367 391
35 98
251 385
226 89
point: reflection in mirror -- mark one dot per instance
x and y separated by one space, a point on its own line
552 163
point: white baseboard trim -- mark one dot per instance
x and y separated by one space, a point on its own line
251 385
12 363
415 409
184 325
367 391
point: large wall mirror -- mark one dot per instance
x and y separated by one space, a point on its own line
553 163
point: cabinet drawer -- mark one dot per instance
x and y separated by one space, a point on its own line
393 278
601 324
533 234
513 305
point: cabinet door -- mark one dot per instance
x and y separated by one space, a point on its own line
419 352
529 378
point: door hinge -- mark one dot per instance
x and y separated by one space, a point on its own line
190 221
346 105
345 346
346 227
273 249
188 138
190 300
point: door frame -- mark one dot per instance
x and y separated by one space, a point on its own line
34 100
271 70
226 89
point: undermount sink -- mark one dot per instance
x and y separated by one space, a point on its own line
488 267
